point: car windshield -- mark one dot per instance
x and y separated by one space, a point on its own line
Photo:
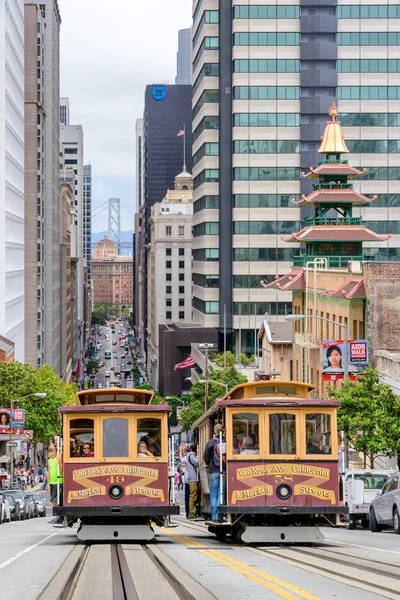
372 481
15 493
37 497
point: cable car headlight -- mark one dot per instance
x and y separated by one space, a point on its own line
284 491
115 492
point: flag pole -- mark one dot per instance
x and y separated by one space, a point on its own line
184 147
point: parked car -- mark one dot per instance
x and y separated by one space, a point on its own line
360 488
39 501
385 507
14 508
34 512
24 505
5 509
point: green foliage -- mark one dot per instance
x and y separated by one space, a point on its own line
245 360
218 359
230 375
41 414
370 415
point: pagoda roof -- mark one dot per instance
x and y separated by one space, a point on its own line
335 196
334 169
294 280
351 290
336 233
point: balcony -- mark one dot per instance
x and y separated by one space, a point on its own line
307 340
333 221
334 262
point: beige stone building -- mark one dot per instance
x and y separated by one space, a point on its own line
112 275
67 192
276 349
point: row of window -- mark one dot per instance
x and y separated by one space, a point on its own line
208 43
266 92
245 308
181 265
383 227
208 70
239 281
266 174
264 200
372 65
266 12
207 149
363 92
245 38
205 123
267 65
206 254
266 146
369 38
374 146
181 230
181 289
374 11
266 119
370 119
208 96
205 202
206 228
265 227
206 176
263 254
209 16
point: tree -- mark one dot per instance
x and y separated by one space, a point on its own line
370 415
41 414
218 359
100 313
195 409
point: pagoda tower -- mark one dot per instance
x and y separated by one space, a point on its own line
333 233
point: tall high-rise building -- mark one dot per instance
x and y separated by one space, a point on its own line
12 174
64 111
43 261
184 58
264 78
87 216
167 112
139 164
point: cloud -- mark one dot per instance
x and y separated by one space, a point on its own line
110 51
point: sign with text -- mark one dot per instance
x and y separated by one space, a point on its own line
333 358
18 419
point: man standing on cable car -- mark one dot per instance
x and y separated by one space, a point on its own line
213 456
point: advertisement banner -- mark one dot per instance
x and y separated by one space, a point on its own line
333 358
18 419
4 420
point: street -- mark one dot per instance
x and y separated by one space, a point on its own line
116 359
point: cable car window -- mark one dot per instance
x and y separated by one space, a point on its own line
115 438
245 433
282 433
285 390
149 438
318 434
81 438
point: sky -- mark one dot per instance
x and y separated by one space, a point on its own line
109 52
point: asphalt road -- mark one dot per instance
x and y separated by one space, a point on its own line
116 356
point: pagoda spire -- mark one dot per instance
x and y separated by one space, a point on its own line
333 139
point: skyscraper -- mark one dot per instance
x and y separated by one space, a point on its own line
264 78
139 163
184 58
12 174
87 216
64 111
43 290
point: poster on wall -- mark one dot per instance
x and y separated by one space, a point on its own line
18 420
333 358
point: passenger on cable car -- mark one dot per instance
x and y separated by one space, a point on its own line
87 451
314 446
152 443
248 446
142 450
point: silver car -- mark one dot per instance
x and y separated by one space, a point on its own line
385 507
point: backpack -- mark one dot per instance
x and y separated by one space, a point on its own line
220 449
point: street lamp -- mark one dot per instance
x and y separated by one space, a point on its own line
38 395
225 385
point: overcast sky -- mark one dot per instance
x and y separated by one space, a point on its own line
110 51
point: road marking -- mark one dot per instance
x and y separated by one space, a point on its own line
13 558
256 575
360 546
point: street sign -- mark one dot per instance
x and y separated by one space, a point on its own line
28 434
12 444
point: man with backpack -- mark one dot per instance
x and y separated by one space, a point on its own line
214 455
191 464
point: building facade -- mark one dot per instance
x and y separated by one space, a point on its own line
264 77
112 275
169 287
64 111
87 218
67 195
139 164
12 174
184 58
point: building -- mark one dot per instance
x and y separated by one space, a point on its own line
139 164
276 349
72 156
167 112
87 217
169 281
7 350
67 198
12 174
184 58
112 275
250 70
64 111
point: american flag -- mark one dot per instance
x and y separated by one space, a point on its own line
182 132
185 364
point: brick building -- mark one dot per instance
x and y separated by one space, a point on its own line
112 275
7 350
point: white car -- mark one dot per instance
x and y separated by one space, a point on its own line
385 508
5 510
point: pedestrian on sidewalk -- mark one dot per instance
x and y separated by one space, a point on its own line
55 480
191 464
182 452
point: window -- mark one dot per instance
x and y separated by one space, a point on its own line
206 254
205 202
181 251
266 173
181 230
181 264
168 289
266 146
181 314
210 308
282 433
266 39
168 264
168 314
168 230
181 276
374 11
369 39
206 176
253 65
266 119
168 252
181 302
369 93
369 66
266 12
115 438
246 434
206 123
81 434
318 434
149 438
181 289
168 302
253 92
208 96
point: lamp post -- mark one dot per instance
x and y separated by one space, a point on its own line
12 402
209 381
